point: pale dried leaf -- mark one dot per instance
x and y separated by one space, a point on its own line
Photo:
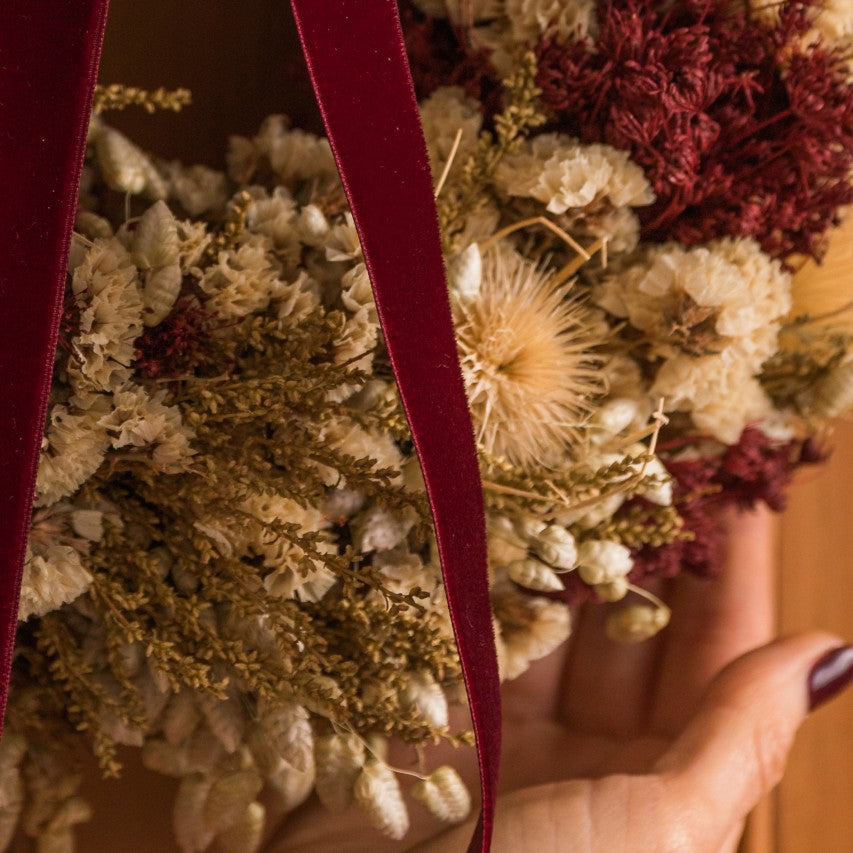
159 293
191 830
225 718
155 238
289 730
246 835
56 842
444 794
229 797
339 759
291 786
377 791
180 716
163 757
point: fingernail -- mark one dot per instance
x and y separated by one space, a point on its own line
830 675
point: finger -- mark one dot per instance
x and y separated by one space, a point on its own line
716 621
606 686
735 748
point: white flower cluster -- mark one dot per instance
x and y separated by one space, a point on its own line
730 291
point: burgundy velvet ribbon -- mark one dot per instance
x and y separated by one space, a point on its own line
358 65
49 51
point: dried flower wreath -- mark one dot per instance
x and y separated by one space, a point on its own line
231 565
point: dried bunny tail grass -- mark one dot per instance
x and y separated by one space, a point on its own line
527 353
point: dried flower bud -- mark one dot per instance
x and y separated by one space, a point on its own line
377 791
614 416
636 622
556 546
339 759
246 835
832 396
602 561
426 698
615 590
465 273
532 574
444 794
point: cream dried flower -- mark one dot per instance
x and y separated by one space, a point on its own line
443 114
564 175
142 421
526 352
73 448
531 19
106 288
242 281
711 317
51 579
198 189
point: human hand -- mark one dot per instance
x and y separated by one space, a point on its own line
664 746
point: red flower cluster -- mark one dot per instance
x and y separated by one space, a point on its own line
440 55
756 469
175 346
740 130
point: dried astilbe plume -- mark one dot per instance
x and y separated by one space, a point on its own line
527 350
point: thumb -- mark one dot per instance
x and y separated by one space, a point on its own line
735 748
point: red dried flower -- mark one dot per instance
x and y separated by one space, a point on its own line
176 346
732 143
441 55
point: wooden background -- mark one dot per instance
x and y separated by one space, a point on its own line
234 57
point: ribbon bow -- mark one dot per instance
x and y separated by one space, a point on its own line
49 55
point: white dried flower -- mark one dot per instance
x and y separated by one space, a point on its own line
242 281
342 243
197 188
603 561
563 174
636 622
529 20
225 718
339 759
444 794
532 574
710 313
556 546
528 628
526 354
443 114
51 579
73 448
612 417
140 420
106 288
377 791
377 529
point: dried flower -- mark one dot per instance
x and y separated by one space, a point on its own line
527 355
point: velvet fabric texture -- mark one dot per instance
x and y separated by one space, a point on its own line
49 52
358 65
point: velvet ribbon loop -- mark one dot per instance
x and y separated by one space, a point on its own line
49 52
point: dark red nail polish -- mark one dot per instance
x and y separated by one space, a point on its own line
830 675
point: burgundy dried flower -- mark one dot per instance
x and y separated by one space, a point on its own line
441 55
176 346
740 130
